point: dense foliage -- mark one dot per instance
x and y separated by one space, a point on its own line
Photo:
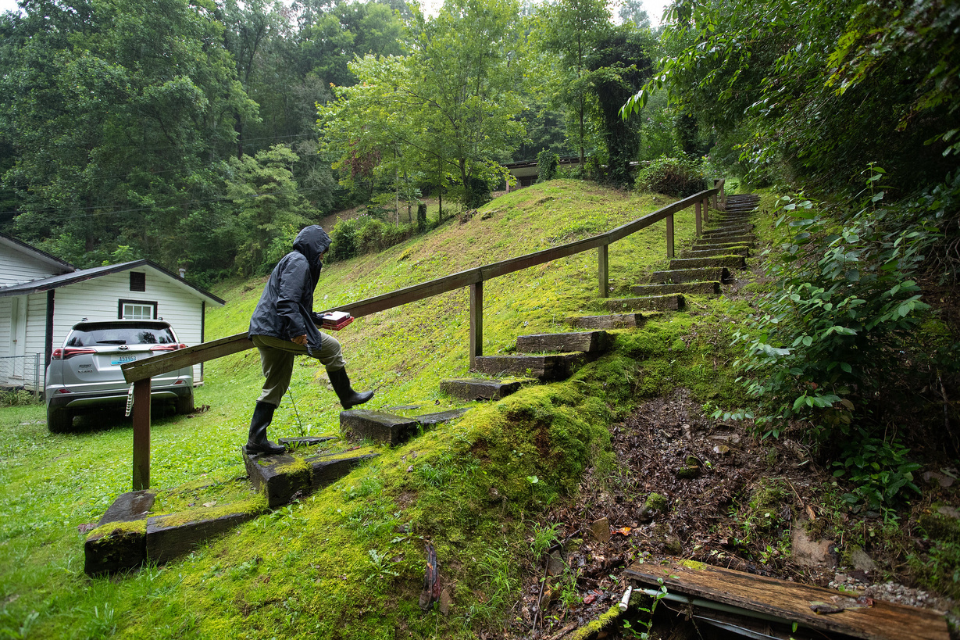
129 130
678 177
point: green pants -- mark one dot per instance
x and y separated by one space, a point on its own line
276 358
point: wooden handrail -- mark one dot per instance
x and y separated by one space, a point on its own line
140 372
155 365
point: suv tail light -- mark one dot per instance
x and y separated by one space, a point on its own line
168 347
69 352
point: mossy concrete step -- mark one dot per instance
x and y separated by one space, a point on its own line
550 367
737 228
170 537
730 262
677 276
727 236
429 420
709 253
613 321
586 341
389 428
699 288
670 302
725 241
701 245
378 426
283 476
125 544
480 389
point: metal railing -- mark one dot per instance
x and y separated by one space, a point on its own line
141 371
22 372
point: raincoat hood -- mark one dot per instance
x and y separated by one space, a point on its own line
312 241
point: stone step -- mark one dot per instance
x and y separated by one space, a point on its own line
708 253
378 426
700 288
731 228
283 476
615 321
586 341
389 428
703 245
677 276
670 302
480 389
723 236
127 536
730 262
726 240
557 366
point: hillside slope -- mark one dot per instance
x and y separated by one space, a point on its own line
348 560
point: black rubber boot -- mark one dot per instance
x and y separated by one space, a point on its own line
257 442
341 384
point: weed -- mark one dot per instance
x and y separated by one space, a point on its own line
379 566
544 537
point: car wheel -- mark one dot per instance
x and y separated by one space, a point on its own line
185 404
59 420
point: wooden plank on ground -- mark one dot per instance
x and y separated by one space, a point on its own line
792 602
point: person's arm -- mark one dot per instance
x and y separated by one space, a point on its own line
294 280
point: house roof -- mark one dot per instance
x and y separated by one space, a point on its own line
43 256
55 282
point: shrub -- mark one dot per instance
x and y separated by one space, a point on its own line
678 177
547 163
364 234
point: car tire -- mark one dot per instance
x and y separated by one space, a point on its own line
185 404
59 420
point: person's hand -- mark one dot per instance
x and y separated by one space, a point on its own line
301 340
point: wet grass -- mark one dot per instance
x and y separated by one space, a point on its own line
348 561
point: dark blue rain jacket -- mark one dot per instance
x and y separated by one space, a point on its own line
285 309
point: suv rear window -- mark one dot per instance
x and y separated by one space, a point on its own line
92 335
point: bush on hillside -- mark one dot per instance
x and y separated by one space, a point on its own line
364 234
547 163
678 177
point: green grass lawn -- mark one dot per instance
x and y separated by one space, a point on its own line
348 561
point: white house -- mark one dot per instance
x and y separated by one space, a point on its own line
42 297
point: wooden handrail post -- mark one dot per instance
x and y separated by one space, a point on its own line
706 210
476 322
670 236
141 434
699 220
603 270
714 201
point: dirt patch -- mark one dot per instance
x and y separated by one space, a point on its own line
731 501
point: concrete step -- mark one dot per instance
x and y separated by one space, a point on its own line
708 253
730 262
729 228
677 276
557 366
723 236
726 240
670 302
479 389
302 471
615 321
700 288
389 428
585 341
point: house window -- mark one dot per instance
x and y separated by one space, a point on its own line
137 310
138 281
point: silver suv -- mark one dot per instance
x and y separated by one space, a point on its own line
85 373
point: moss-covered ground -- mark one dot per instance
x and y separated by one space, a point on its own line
348 561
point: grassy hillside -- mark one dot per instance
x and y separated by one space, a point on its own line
348 561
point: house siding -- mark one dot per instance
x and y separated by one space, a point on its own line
17 267
98 299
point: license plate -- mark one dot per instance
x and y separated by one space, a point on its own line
123 359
